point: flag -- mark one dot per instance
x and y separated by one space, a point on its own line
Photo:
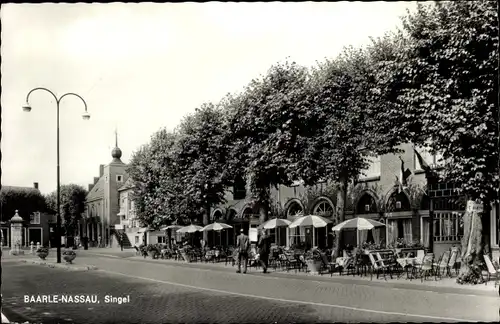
422 162
402 180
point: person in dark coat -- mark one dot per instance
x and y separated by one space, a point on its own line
264 246
243 247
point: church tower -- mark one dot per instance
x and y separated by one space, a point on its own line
115 176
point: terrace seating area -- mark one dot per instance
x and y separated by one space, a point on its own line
387 264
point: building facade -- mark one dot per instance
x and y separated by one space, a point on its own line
379 194
39 229
102 204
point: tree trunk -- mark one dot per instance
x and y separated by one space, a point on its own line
169 236
206 219
472 248
263 212
340 210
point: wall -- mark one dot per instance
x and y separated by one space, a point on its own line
111 196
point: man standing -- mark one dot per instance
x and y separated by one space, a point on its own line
242 246
264 249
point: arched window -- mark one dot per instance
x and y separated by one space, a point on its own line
366 204
398 201
231 214
247 213
217 215
324 209
294 210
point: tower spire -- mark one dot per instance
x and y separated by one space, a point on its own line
116 153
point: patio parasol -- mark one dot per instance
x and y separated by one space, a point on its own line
275 223
310 220
189 229
358 223
216 227
174 227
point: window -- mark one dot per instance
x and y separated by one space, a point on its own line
162 239
373 169
137 240
433 160
129 204
297 236
399 229
35 218
124 217
447 227
367 208
106 179
119 178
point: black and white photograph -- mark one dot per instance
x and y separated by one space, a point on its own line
250 162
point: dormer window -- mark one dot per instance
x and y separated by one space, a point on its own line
398 205
367 208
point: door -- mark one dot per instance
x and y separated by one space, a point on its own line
35 236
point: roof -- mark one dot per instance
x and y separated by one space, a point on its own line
97 191
129 183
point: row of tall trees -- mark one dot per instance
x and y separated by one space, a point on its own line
432 82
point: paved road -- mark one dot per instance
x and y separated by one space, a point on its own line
161 293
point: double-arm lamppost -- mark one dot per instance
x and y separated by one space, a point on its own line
86 116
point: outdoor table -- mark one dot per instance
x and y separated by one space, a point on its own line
406 263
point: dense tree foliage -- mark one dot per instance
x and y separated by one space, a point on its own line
432 83
269 123
201 159
444 84
157 183
25 200
72 205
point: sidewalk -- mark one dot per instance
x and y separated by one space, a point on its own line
445 284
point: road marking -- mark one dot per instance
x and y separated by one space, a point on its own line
290 300
288 276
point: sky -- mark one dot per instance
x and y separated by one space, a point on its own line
141 67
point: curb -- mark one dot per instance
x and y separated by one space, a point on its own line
61 265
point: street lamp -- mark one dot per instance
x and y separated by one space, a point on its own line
85 116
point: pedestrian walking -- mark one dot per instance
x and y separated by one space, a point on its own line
99 241
242 246
202 244
121 241
264 246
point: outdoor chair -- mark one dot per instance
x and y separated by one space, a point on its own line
452 263
492 270
389 261
420 257
385 263
442 265
435 266
291 262
376 266
426 266
326 265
